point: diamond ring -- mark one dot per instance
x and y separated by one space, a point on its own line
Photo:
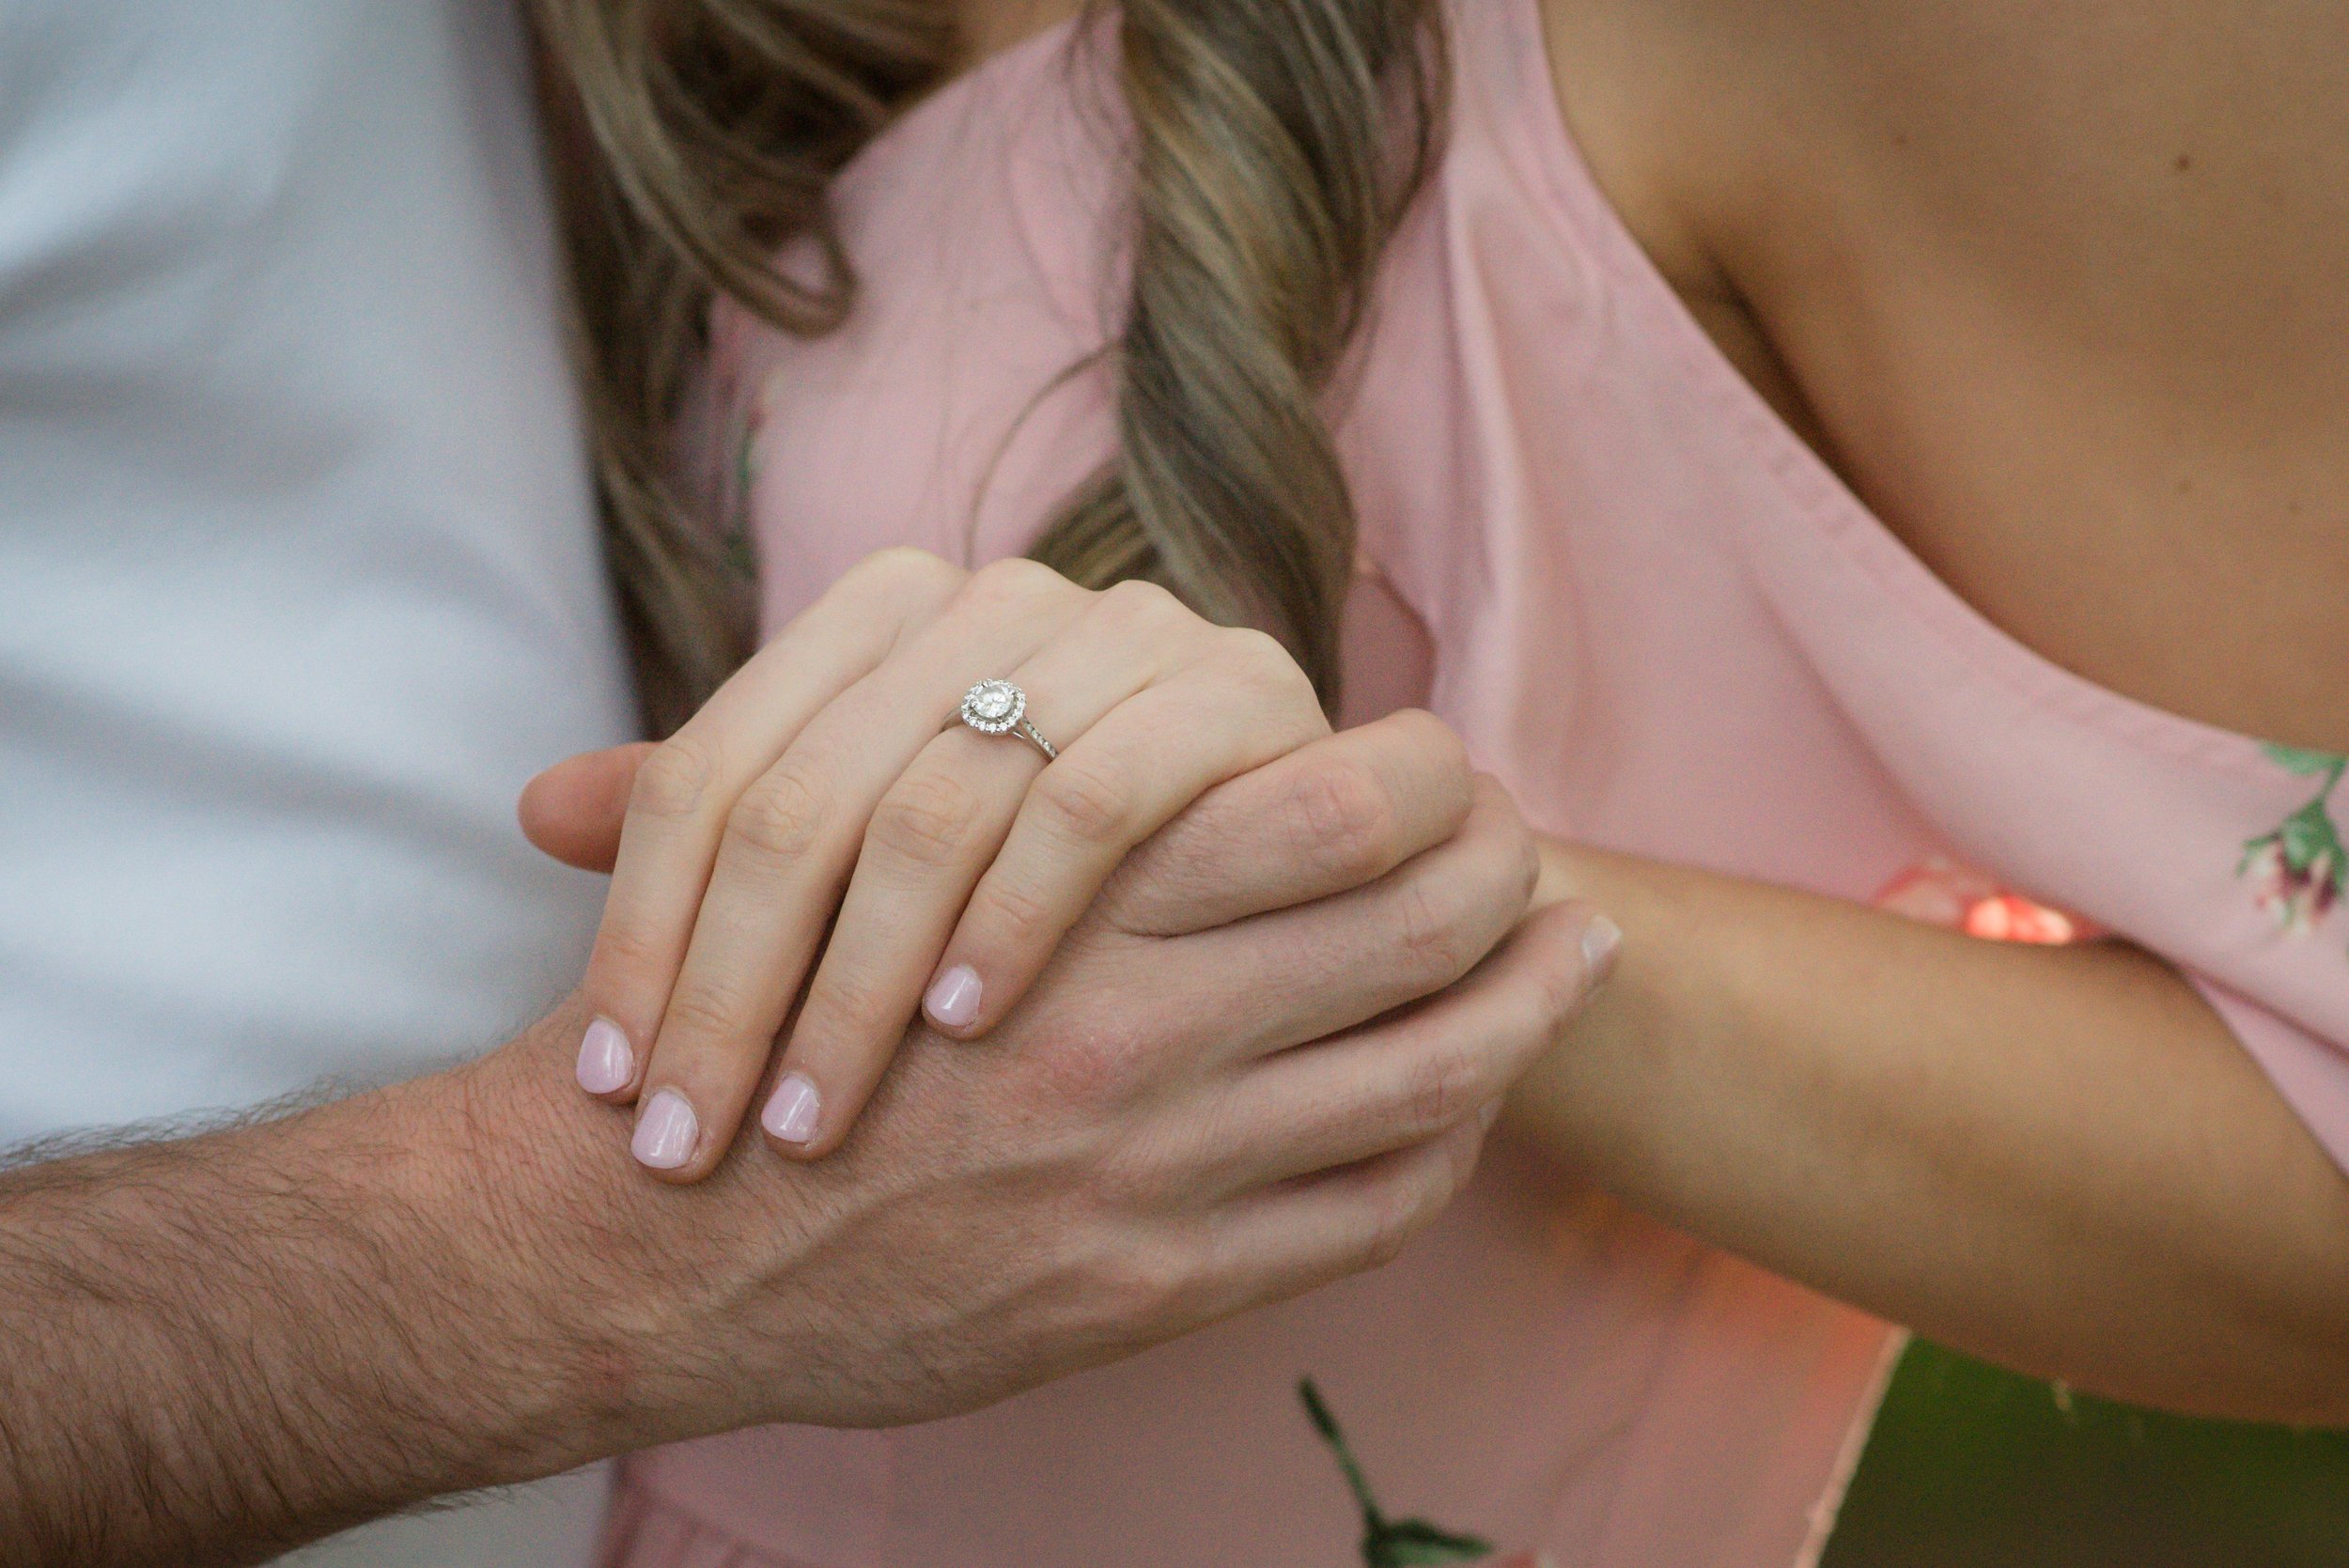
999 708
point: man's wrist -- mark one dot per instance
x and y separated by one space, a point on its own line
534 1196
224 1345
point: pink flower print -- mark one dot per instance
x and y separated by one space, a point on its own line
2299 872
2296 898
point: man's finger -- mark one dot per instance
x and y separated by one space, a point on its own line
573 811
1326 818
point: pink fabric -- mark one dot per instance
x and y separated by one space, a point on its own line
1671 631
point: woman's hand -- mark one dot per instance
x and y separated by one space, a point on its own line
824 802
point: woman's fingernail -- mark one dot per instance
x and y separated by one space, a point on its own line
605 1062
665 1132
1601 941
792 1110
954 996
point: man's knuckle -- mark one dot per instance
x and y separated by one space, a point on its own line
1397 1214
927 818
1091 1070
1441 1086
1091 802
1430 931
1151 1281
1348 819
675 780
1129 1179
781 817
1556 996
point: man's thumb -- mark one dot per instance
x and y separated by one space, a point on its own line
573 811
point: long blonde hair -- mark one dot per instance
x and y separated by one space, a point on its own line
1276 144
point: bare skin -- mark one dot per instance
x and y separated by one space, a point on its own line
2060 292
218 1347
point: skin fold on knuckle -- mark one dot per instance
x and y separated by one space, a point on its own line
1006 924
781 817
1086 801
1434 758
626 954
927 820
1433 945
702 1011
1445 1080
674 780
1347 823
849 1027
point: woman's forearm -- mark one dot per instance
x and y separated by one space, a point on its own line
2059 1158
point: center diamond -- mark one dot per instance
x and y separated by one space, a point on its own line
993 706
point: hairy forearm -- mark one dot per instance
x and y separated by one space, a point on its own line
2057 1158
219 1346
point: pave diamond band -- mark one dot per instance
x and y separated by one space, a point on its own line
999 708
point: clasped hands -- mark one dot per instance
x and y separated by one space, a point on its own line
1214 1007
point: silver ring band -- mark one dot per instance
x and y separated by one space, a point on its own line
999 708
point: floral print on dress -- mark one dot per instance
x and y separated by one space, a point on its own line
2299 872
1394 1543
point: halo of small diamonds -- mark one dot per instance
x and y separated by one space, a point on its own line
994 706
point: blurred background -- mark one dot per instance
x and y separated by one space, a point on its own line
1974 1467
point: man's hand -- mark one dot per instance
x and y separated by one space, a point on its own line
1225 1089
1215 1096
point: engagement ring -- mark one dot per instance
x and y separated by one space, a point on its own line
999 708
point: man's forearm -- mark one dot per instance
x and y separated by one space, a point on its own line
220 1346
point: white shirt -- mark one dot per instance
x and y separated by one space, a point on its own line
299 580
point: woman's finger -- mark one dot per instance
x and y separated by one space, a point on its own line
1409 1079
1123 779
788 848
1330 816
684 793
1138 679
930 840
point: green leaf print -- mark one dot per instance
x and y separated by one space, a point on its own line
2306 763
1387 1542
2300 872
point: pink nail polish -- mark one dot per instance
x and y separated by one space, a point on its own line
954 996
1601 941
665 1132
605 1062
792 1111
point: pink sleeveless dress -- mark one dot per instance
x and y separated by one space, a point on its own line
1670 629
